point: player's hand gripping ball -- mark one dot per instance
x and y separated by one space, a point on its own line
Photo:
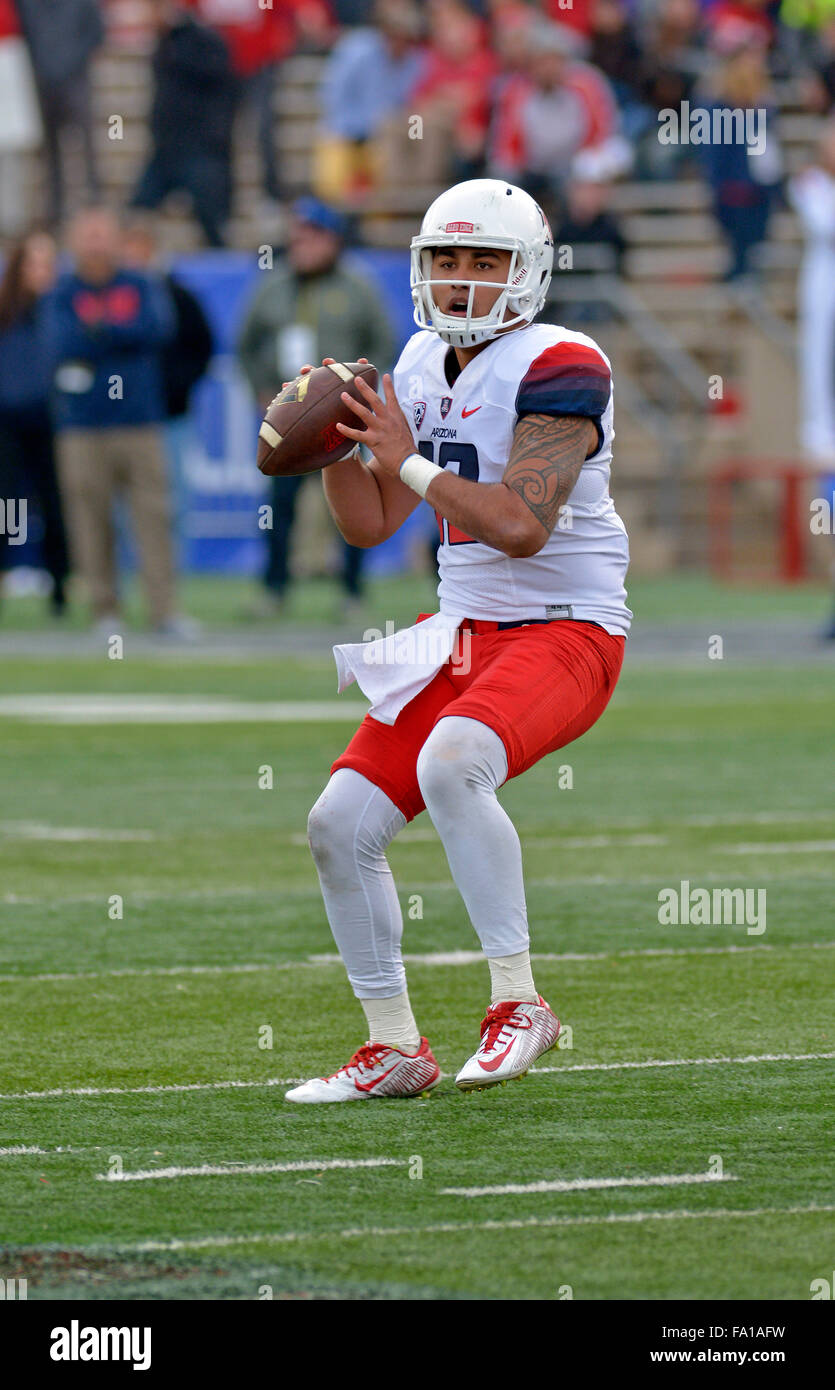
298 433
379 424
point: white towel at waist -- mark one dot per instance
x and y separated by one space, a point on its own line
394 669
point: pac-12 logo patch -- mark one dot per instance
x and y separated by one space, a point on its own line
419 408
446 406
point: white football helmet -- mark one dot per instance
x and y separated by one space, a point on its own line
484 213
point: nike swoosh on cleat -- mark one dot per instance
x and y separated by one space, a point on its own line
369 1086
465 413
496 1061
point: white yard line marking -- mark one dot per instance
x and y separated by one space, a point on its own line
18 1150
127 708
606 881
421 837
635 824
586 1184
31 830
291 892
758 818
433 958
429 958
57 1092
559 882
158 970
643 840
174 709
787 847
232 1170
690 1062
453 1227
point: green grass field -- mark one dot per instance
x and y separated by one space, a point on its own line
136 1044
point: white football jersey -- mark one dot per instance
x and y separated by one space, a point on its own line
468 427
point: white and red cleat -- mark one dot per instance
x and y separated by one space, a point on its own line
513 1036
374 1070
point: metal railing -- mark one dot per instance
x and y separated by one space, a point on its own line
678 429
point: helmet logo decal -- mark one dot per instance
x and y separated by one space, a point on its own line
459 227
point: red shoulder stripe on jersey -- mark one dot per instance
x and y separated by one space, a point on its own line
565 379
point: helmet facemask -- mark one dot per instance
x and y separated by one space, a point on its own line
517 293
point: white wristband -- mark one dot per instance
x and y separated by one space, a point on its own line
417 472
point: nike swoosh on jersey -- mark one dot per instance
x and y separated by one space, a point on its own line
465 413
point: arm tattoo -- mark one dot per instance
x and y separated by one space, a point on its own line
547 454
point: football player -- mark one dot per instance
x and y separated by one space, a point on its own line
504 426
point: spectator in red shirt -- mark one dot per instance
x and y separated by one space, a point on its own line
455 87
557 106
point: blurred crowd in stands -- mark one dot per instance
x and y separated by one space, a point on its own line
426 92
561 96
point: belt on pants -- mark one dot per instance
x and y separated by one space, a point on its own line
478 625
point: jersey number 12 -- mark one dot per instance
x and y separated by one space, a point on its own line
466 456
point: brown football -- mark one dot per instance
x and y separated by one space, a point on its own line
298 433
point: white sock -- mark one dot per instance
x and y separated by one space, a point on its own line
391 1021
511 979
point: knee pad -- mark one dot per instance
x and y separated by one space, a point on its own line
352 817
323 827
460 755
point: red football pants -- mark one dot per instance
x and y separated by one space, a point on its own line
538 687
